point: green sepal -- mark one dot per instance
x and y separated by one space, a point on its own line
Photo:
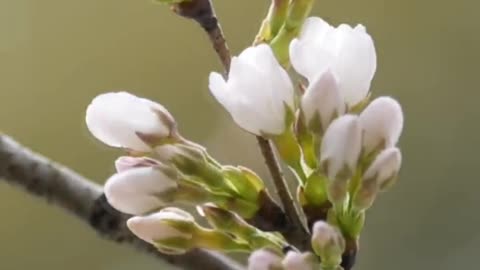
289 150
216 240
244 181
306 140
242 207
227 221
174 245
315 189
350 222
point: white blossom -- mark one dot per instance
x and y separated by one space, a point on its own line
123 120
348 52
322 102
258 91
264 259
161 225
341 146
382 123
138 191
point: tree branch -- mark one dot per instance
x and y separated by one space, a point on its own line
203 13
63 187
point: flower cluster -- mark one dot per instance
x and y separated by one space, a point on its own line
340 145
163 168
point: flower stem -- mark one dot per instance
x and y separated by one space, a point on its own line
277 15
297 13
282 189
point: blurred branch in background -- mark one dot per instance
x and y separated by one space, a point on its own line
63 187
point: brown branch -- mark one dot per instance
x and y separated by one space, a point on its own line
63 187
296 233
203 13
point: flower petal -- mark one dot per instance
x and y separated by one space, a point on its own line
264 259
156 227
382 123
385 166
322 99
256 92
355 64
341 145
138 191
309 53
117 118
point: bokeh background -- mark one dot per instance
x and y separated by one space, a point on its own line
56 55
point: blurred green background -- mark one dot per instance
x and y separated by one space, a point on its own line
56 55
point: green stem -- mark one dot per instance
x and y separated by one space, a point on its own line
297 13
277 15
290 152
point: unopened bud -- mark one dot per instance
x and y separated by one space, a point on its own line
140 190
264 259
384 169
225 220
124 120
328 243
340 151
382 124
193 160
366 195
315 190
341 147
322 102
245 182
170 228
299 261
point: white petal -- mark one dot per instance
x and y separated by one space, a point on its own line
298 261
263 259
322 98
348 52
124 163
309 52
382 122
256 91
386 165
326 237
355 64
219 89
174 213
115 119
261 57
137 191
153 227
341 145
